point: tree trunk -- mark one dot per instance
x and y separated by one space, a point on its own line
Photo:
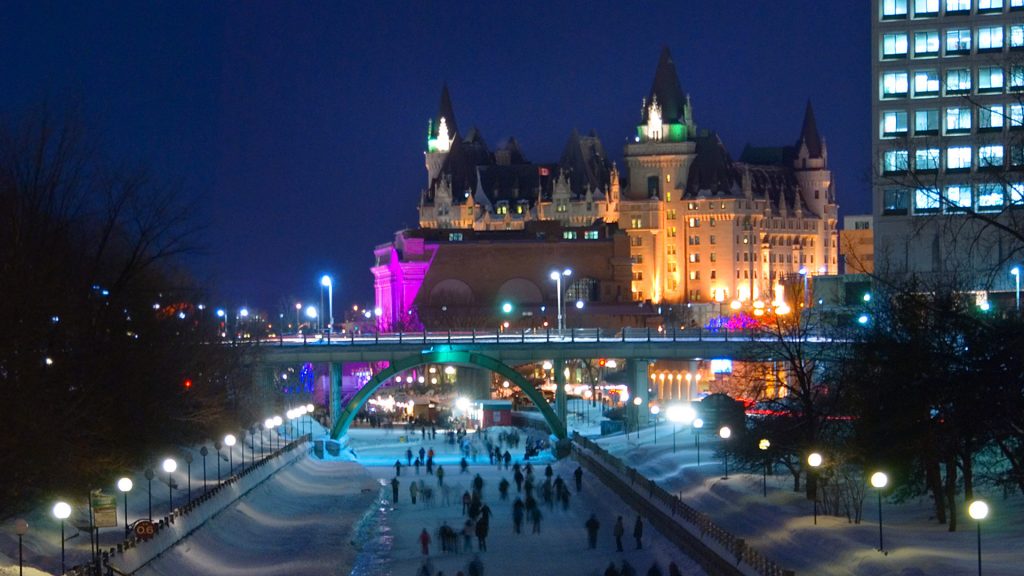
934 480
1016 466
968 467
951 491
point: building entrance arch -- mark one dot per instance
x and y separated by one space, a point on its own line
348 413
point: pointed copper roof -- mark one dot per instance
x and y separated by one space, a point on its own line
809 134
445 110
667 89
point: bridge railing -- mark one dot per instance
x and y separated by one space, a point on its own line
524 336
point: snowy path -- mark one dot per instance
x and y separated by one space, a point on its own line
561 548
298 522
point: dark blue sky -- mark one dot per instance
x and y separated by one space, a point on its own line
300 127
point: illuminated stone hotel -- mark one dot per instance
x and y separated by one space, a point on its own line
683 225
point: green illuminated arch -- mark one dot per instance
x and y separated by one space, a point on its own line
447 357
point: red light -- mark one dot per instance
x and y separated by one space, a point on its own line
188 383
601 362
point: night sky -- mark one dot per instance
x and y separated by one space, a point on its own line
299 128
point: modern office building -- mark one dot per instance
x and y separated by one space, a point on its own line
700 227
947 118
857 245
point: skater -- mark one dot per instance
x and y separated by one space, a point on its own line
398 467
548 472
467 535
463 466
507 458
478 485
465 502
619 531
578 475
592 526
425 542
518 511
482 527
417 464
503 488
414 490
440 475
518 477
408 456
638 533
394 490
535 517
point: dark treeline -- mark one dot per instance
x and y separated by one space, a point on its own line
99 329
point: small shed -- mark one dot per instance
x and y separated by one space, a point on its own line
495 413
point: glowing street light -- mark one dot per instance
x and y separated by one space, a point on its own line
679 414
61 511
978 510
170 466
125 485
698 423
326 282
879 480
814 460
764 444
557 277
230 441
725 433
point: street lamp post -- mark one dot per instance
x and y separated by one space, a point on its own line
278 423
804 272
814 460
725 433
298 316
170 466
149 491
636 416
1015 271
557 277
204 452
698 423
217 446
326 280
61 510
978 510
21 527
188 475
764 444
655 410
125 485
230 441
879 480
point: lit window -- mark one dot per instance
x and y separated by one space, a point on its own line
990 38
670 250
1016 190
668 193
990 197
958 6
671 232
1016 77
958 81
924 8
990 5
926 43
636 259
895 161
590 235
926 159
1016 36
694 257
990 79
958 120
894 84
636 222
502 208
990 156
991 117
569 235
958 158
636 241
670 214
895 201
926 122
672 268
926 200
894 123
894 9
958 198
694 275
1016 115
958 41
638 275
694 223
926 83
894 45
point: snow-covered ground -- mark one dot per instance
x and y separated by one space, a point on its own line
302 521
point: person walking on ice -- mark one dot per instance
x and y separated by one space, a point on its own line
638 533
394 490
425 542
592 525
619 531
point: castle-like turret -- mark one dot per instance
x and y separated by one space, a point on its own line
442 130
811 165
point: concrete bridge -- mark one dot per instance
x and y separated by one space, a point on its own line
500 352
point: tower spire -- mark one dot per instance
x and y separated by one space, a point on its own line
809 134
667 90
445 110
